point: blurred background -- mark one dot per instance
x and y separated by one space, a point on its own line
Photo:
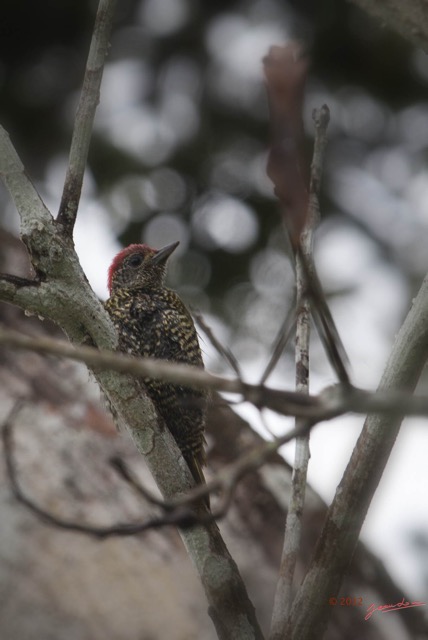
179 153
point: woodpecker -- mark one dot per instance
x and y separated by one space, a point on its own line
152 321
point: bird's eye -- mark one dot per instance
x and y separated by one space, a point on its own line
135 260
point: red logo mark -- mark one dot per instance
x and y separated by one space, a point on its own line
386 608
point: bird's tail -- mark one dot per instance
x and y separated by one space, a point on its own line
195 467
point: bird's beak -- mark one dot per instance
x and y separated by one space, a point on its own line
163 254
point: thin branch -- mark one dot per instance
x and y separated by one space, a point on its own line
226 480
17 281
281 341
293 526
176 512
324 322
176 506
336 545
230 608
321 118
285 73
285 401
182 518
331 402
224 352
89 99
125 473
173 514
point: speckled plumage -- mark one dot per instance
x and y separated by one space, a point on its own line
152 321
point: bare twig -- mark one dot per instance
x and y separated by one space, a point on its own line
322 315
176 506
224 352
89 99
226 480
126 474
285 72
310 611
56 521
324 322
292 536
178 512
331 402
281 341
17 281
283 401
